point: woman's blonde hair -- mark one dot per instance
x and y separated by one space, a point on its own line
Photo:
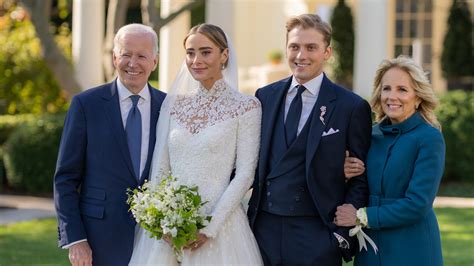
421 85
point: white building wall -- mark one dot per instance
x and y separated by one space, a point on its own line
171 43
87 38
222 14
255 27
370 43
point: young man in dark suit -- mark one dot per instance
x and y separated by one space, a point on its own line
308 123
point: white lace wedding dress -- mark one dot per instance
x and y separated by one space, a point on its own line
211 132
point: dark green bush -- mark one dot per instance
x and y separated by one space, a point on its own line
9 122
456 115
3 177
457 55
343 43
30 154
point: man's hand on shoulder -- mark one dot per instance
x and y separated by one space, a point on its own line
80 254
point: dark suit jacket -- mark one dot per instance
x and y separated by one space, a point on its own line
346 112
93 173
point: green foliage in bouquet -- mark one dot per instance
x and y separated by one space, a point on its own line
170 210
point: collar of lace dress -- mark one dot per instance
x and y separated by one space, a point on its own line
218 87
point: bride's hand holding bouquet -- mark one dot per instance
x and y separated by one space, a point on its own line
171 212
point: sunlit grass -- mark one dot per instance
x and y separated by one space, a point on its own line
31 243
34 242
457 236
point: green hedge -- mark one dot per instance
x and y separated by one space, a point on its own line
2 171
30 154
9 122
456 115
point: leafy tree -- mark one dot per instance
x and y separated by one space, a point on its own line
343 43
28 86
457 57
55 59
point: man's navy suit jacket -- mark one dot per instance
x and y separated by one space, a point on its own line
93 172
345 112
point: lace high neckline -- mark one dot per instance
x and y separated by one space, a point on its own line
218 87
209 107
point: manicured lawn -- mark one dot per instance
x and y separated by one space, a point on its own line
457 236
31 243
34 242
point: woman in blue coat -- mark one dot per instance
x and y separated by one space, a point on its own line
404 168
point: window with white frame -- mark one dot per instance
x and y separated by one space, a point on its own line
413 30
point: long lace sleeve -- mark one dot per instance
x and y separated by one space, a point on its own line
160 163
248 143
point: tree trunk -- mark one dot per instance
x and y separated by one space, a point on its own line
116 17
39 11
157 22
53 56
149 12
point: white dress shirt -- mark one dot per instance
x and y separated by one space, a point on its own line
144 105
309 96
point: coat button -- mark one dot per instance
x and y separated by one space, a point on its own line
268 183
270 204
268 194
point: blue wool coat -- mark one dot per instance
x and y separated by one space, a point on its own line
404 168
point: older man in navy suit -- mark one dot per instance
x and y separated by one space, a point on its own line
106 147
308 123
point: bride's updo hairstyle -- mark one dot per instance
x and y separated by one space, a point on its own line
213 33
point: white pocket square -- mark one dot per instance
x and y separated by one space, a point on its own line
330 132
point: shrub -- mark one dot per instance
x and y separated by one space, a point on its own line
9 122
457 55
31 152
343 43
456 115
3 177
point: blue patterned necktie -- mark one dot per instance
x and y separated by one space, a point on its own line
293 117
133 129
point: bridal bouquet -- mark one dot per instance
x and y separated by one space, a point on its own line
169 210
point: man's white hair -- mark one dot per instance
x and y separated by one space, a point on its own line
135 28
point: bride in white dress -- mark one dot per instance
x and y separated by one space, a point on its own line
205 130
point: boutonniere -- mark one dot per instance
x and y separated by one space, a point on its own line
323 112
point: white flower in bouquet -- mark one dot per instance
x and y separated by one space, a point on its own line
170 210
